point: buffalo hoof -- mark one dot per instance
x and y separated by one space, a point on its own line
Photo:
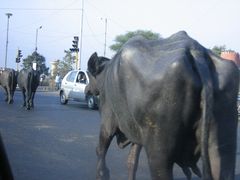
197 171
103 175
187 173
102 172
28 107
10 102
24 105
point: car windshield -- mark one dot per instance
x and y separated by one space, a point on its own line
71 76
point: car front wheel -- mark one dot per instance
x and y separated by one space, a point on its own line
91 102
63 99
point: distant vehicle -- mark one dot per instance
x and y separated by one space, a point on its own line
73 88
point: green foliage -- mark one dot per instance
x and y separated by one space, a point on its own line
121 39
40 60
218 49
66 65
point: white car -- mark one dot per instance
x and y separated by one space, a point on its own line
73 88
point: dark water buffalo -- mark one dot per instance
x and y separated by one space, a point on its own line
8 80
173 97
5 169
28 81
135 149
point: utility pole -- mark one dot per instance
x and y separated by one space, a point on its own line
8 17
34 63
105 38
80 49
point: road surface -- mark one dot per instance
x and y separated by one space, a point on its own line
58 142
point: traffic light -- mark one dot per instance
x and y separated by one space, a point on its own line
20 53
19 56
75 44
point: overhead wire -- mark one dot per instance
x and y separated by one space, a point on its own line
107 15
39 21
54 12
42 9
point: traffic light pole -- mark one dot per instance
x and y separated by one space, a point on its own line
76 59
17 66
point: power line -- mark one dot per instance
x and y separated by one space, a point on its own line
42 9
93 34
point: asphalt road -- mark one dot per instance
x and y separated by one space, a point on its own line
58 142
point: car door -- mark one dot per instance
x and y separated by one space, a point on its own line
79 86
69 84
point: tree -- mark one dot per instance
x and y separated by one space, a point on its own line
66 65
121 39
40 60
218 49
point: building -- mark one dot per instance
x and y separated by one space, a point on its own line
231 55
53 69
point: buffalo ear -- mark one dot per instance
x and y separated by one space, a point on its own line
96 64
92 64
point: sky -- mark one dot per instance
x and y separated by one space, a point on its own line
210 22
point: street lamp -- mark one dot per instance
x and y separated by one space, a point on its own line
34 63
40 27
8 17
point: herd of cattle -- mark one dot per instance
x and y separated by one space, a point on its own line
27 80
172 97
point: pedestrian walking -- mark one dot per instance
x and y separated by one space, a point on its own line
57 81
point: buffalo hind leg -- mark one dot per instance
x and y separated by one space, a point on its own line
133 155
28 101
31 100
187 172
133 158
11 97
102 148
24 97
6 94
196 170
160 165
